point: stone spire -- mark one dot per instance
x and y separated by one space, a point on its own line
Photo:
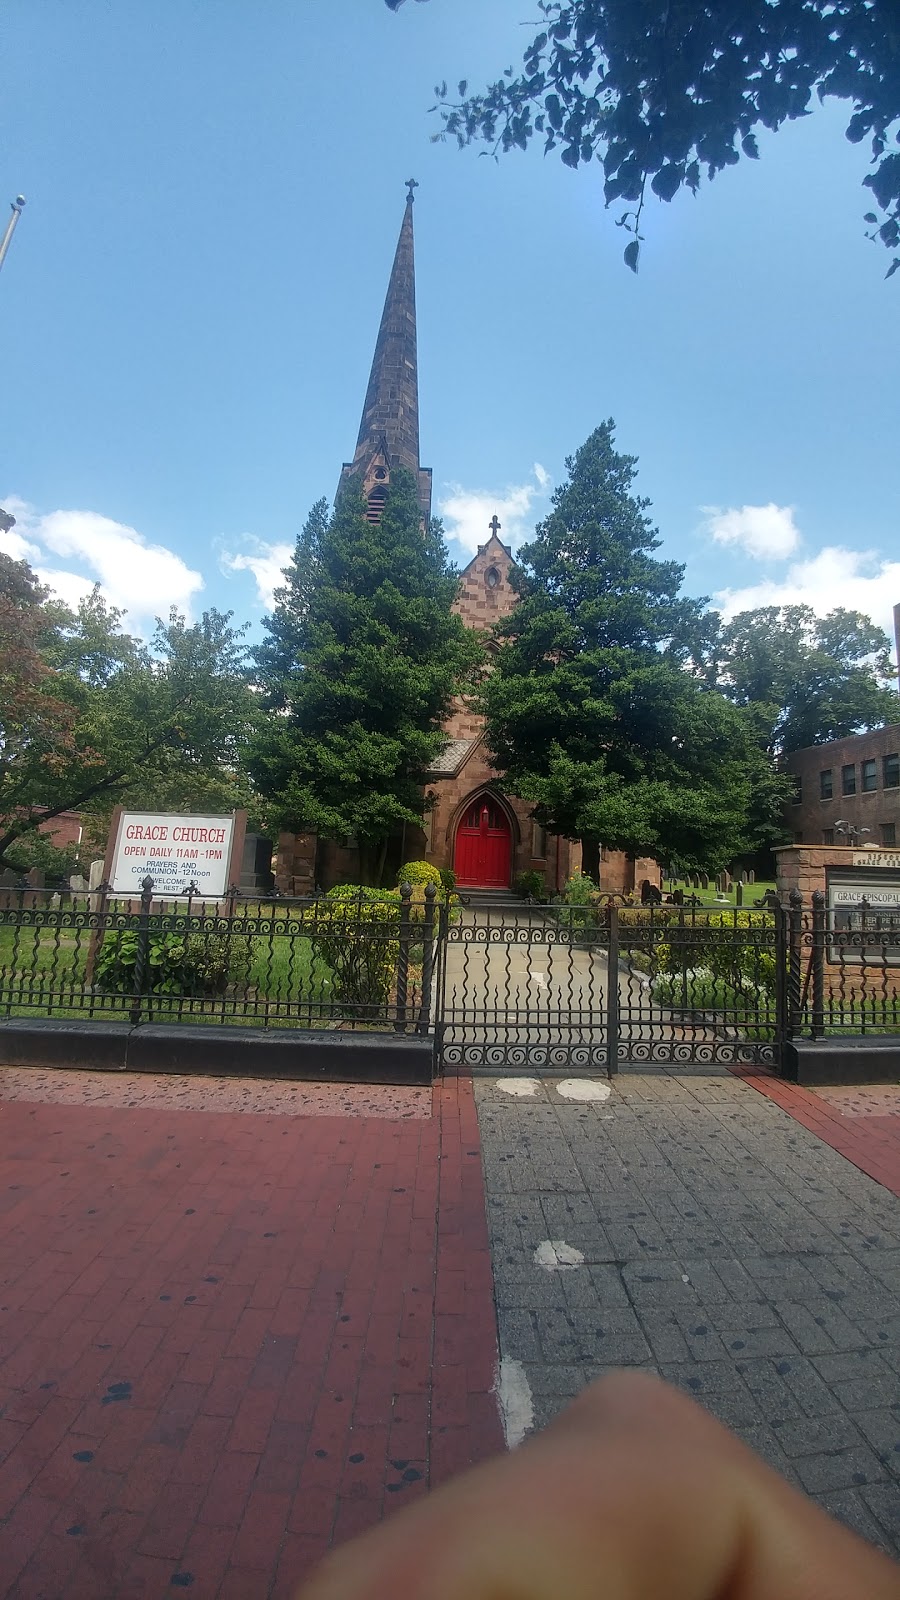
389 429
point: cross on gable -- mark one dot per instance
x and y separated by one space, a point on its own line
495 525
410 186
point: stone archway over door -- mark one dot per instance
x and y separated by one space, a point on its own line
483 854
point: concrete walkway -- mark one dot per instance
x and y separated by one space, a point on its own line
690 1226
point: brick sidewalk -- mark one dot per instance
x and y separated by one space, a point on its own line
231 1339
862 1124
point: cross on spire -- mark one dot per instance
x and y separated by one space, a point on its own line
495 525
410 186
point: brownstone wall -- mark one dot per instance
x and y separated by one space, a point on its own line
799 867
452 797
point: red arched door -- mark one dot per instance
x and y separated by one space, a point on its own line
483 845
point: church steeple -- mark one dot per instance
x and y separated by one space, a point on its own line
389 429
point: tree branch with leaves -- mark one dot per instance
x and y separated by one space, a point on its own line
665 92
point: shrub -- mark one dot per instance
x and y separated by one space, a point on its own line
195 965
363 892
531 885
358 935
720 944
418 874
448 879
701 989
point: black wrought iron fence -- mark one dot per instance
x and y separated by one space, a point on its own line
357 960
698 985
500 984
843 969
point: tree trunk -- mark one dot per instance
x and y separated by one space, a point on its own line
372 853
590 857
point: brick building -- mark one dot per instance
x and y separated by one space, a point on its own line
486 836
851 783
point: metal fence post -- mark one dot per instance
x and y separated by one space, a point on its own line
612 994
795 940
403 957
781 966
143 949
818 964
427 958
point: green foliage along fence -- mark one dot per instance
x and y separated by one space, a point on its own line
355 959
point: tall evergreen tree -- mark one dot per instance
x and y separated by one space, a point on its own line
361 663
592 711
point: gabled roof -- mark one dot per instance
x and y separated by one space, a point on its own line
453 757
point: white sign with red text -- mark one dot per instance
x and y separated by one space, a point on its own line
174 851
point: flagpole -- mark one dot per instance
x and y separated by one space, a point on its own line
16 207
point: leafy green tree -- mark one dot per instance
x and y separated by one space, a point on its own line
362 659
593 713
660 91
90 716
807 679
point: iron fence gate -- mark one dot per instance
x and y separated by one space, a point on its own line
560 988
519 987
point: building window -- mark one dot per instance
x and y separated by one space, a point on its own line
473 815
538 842
890 776
869 777
797 796
889 833
848 780
826 784
492 578
828 836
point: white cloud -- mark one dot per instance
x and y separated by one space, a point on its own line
267 563
468 512
858 580
142 579
767 532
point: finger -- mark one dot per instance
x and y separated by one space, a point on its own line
634 1493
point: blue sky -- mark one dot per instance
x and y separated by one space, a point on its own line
190 304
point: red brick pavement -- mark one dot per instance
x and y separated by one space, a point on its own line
227 1341
847 1120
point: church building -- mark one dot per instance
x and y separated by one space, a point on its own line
487 837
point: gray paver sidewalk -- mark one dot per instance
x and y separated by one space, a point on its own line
724 1247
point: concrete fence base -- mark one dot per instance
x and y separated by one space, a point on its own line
307 1054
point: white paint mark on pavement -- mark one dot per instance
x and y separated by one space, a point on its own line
583 1089
685 1278
522 1088
513 1393
554 1255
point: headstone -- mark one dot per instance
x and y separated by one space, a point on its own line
77 883
704 880
55 901
739 893
95 878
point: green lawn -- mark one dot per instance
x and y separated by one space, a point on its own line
708 897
